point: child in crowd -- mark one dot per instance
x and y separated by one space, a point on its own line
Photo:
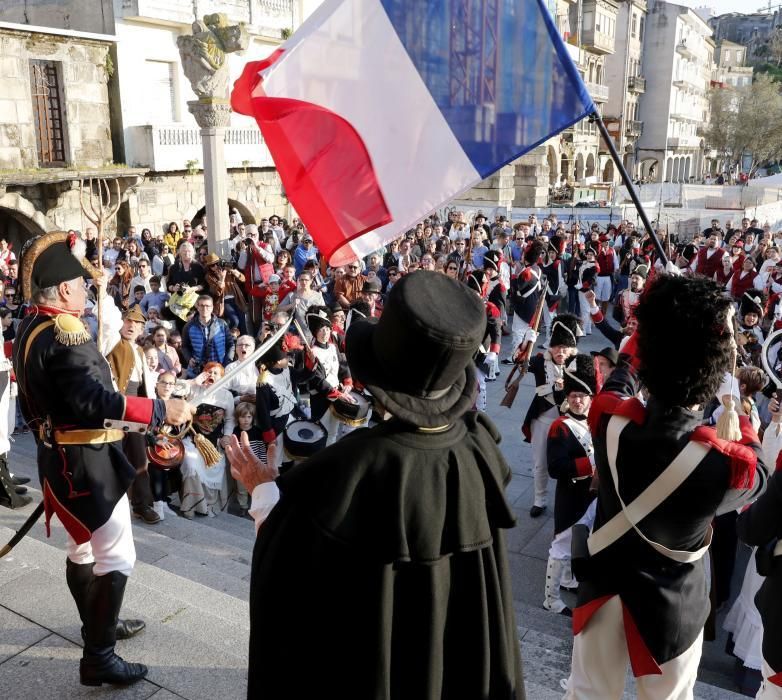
245 419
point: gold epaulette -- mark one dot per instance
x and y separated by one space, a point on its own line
69 330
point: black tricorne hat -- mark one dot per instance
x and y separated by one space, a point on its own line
475 281
609 353
580 375
441 384
565 330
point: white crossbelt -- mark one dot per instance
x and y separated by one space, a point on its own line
663 486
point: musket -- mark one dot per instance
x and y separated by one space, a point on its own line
22 531
524 352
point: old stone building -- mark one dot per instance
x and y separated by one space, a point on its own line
54 126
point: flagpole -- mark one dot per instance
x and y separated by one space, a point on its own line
597 119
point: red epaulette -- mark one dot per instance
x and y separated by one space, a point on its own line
526 274
743 459
558 428
612 404
492 310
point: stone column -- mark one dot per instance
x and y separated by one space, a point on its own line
204 62
213 117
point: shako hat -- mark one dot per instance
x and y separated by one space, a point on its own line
580 375
752 302
441 384
51 259
565 331
317 317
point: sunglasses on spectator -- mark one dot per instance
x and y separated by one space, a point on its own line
393 274
352 267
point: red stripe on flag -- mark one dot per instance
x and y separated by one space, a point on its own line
322 160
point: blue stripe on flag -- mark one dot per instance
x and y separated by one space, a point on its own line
497 69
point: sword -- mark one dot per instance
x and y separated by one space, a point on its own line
262 349
22 531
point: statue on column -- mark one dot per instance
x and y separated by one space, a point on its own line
203 55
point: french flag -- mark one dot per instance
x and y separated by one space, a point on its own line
378 112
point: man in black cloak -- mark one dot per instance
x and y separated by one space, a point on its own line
382 571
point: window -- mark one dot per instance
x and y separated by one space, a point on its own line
641 27
727 56
160 96
634 25
48 112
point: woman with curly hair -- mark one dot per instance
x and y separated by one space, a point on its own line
661 479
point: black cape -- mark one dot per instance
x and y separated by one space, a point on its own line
382 572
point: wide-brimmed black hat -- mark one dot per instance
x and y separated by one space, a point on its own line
440 385
609 353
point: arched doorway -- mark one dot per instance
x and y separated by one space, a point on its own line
608 171
669 170
579 175
687 169
20 220
564 167
245 213
590 166
551 159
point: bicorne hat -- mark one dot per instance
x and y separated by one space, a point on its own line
752 302
51 259
441 384
580 375
565 330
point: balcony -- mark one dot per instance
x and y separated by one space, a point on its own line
683 142
637 84
260 15
169 148
684 117
598 42
599 93
683 50
633 127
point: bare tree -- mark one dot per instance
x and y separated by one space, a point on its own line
747 122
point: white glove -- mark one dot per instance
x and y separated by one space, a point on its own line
491 359
531 336
672 269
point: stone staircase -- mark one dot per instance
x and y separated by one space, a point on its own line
191 585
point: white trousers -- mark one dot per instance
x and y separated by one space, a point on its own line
539 428
586 317
548 320
768 691
111 546
603 289
517 330
600 661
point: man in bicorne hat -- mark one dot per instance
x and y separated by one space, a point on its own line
66 394
386 551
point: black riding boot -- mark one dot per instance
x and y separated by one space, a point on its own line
8 495
100 664
78 577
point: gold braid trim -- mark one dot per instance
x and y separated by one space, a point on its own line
69 330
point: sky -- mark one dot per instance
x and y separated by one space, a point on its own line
722 6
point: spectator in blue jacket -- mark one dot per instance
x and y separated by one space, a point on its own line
304 251
206 338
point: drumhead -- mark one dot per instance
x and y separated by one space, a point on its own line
305 432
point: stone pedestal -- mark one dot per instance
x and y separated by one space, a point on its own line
495 191
531 180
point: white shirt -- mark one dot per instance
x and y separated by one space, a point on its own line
243 381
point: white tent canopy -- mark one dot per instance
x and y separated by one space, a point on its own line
770 181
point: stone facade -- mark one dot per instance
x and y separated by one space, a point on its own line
161 199
83 76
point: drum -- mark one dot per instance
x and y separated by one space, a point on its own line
351 413
166 451
303 438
